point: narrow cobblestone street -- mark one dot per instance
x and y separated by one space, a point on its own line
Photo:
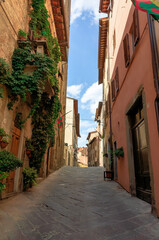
76 204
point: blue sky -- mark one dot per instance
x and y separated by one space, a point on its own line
83 63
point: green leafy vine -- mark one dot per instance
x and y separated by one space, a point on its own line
44 110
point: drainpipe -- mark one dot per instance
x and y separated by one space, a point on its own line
155 56
110 114
155 65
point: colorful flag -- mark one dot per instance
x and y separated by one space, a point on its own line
59 122
150 6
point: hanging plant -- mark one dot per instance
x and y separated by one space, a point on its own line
119 152
9 162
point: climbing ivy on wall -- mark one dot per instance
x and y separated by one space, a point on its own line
44 110
43 131
39 24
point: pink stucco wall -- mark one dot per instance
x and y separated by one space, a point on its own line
139 73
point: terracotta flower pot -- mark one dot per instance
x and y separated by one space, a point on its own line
35 38
28 153
22 38
42 38
3 144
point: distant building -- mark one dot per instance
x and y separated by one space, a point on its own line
93 149
82 157
72 132
99 120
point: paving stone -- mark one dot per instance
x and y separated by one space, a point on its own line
76 204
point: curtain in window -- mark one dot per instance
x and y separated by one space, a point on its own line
150 6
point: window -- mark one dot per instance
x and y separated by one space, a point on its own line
114 41
117 80
106 108
126 50
113 89
157 111
112 4
115 84
135 32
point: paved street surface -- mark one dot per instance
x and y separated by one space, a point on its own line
76 204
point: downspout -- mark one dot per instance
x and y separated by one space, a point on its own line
155 65
110 115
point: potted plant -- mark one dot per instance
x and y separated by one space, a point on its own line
22 35
8 163
29 178
2 133
105 155
4 142
36 36
119 152
29 147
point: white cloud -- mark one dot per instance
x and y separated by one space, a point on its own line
78 7
86 124
74 90
83 140
92 97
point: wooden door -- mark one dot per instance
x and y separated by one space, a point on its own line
142 173
14 150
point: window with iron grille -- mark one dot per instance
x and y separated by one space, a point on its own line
126 50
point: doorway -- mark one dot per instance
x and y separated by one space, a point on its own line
140 150
14 149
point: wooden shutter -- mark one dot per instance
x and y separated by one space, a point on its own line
112 4
126 50
106 108
136 27
30 34
117 79
157 111
113 90
114 41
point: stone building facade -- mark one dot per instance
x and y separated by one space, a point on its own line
72 131
93 149
82 156
14 15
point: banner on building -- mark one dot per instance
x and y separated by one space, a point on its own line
150 6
